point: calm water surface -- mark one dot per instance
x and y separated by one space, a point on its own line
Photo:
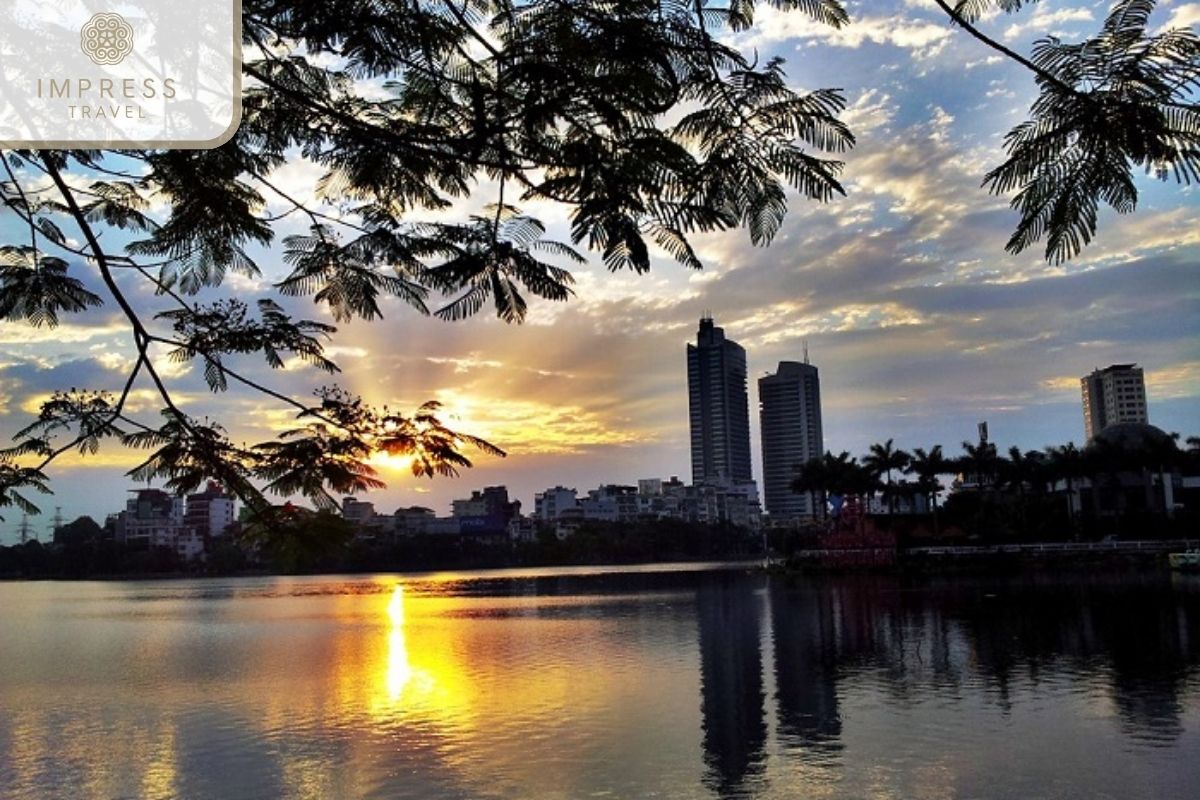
637 683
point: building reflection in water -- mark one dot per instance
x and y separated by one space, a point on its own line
731 685
1153 646
804 632
836 640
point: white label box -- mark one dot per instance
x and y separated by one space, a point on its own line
115 74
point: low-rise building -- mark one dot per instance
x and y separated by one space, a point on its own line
152 518
412 521
448 526
486 513
908 500
359 512
155 519
211 512
549 504
522 529
611 503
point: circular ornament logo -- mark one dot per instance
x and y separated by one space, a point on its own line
106 38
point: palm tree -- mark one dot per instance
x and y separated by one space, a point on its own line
927 466
849 476
856 478
1192 454
813 477
1067 462
1022 471
830 474
882 459
981 461
1104 461
1165 457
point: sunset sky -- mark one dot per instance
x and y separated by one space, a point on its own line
919 321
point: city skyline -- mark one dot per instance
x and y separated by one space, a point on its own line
497 471
921 322
791 411
465 484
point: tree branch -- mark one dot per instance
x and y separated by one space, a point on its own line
1049 77
28 215
141 336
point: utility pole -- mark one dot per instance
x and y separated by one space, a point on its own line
56 523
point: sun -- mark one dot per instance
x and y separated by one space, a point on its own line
389 462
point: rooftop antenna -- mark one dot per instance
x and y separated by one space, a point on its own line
805 341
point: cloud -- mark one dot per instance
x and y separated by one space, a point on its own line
64 333
1049 21
988 61
1173 381
84 373
1184 16
872 110
531 427
467 363
775 25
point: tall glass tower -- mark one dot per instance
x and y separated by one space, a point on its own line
790 413
718 407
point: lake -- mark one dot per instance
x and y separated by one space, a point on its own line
678 681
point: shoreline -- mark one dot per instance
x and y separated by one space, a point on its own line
931 560
1031 556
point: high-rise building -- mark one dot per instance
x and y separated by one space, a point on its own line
1111 395
790 412
718 408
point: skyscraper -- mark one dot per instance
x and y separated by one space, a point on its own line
718 407
1114 394
790 412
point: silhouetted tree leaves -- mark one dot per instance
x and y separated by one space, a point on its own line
225 327
1121 100
16 481
36 288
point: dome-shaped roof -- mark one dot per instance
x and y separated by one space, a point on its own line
1131 436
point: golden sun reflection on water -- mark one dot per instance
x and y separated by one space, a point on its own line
417 675
399 671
